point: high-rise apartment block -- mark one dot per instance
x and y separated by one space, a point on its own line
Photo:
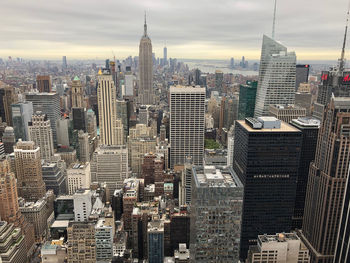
187 114
216 212
109 165
81 242
104 241
146 92
54 178
286 112
82 204
279 248
49 104
276 83
21 114
77 93
40 133
266 159
327 182
30 183
43 83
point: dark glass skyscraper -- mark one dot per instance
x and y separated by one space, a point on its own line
301 75
266 159
309 127
247 95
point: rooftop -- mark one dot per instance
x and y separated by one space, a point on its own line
211 176
285 127
280 237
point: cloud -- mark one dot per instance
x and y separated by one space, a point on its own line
191 28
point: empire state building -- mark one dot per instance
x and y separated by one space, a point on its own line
146 93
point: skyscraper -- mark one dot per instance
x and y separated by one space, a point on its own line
187 115
327 181
309 127
30 181
216 213
165 57
276 83
146 93
77 93
247 96
266 159
49 104
43 83
21 114
9 139
107 111
64 63
41 134
302 75
7 97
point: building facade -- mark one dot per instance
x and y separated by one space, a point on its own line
276 83
266 159
187 123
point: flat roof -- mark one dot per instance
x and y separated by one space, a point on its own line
285 127
60 224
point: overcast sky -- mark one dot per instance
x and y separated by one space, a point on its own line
204 29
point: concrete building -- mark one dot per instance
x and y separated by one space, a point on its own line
276 83
43 83
77 93
216 212
286 113
21 114
40 133
182 255
37 214
81 242
143 115
82 204
9 209
31 185
12 244
129 84
187 112
137 149
104 241
266 160
110 165
107 111
62 132
49 104
83 147
9 139
146 92
78 177
279 248
304 100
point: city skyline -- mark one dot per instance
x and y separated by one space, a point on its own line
89 30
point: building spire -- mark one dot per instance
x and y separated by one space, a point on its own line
145 27
274 21
342 56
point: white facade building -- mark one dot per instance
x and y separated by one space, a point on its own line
78 177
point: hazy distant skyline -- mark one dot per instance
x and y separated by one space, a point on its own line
198 29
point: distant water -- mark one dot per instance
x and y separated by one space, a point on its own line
209 66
